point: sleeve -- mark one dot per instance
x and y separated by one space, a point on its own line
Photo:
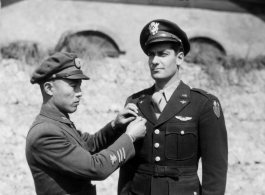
51 148
102 139
214 150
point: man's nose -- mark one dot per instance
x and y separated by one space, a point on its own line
78 92
154 61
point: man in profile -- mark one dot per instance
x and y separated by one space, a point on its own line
62 159
184 124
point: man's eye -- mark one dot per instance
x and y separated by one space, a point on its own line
150 54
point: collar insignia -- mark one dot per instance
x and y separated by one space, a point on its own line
113 159
183 118
64 118
184 95
153 28
183 101
216 108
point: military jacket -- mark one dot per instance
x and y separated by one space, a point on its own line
190 127
64 161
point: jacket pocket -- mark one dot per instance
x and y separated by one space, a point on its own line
138 184
181 141
188 186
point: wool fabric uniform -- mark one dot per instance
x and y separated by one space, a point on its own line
63 160
190 127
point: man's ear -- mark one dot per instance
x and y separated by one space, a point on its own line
48 88
180 58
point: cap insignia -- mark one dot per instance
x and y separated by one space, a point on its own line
153 28
78 63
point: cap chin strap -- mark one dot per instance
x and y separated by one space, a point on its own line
66 74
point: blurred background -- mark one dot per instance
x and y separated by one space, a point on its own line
227 59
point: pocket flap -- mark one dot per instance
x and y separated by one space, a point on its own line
181 129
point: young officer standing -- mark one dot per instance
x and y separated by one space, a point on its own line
183 125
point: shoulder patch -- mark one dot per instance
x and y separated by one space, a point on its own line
216 108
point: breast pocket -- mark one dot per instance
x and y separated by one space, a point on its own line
181 141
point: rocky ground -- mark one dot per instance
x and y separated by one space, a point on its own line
242 97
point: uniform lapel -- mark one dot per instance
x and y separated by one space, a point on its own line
179 99
144 104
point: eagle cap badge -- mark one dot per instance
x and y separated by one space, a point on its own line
153 28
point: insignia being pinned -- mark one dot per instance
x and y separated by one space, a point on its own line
78 63
183 118
216 108
184 95
142 96
153 28
113 159
183 101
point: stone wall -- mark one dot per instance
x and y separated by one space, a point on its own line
44 22
112 81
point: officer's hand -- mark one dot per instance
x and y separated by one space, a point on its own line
136 129
126 115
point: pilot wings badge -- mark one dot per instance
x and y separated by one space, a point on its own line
113 159
183 118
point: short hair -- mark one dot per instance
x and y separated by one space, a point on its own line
177 47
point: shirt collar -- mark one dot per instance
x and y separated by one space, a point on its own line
169 90
55 114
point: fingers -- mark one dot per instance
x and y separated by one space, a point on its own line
132 107
130 112
130 119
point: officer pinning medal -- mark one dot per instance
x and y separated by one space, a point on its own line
62 159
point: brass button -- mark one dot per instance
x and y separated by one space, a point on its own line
182 132
156 145
157 159
195 193
157 131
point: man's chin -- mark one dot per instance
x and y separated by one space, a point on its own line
72 110
157 76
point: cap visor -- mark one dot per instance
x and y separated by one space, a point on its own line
78 76
161 40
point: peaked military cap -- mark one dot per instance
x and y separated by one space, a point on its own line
163 30
60 65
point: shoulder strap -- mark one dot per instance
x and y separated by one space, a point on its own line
205 93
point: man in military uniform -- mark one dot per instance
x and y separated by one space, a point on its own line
183 125
62 159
